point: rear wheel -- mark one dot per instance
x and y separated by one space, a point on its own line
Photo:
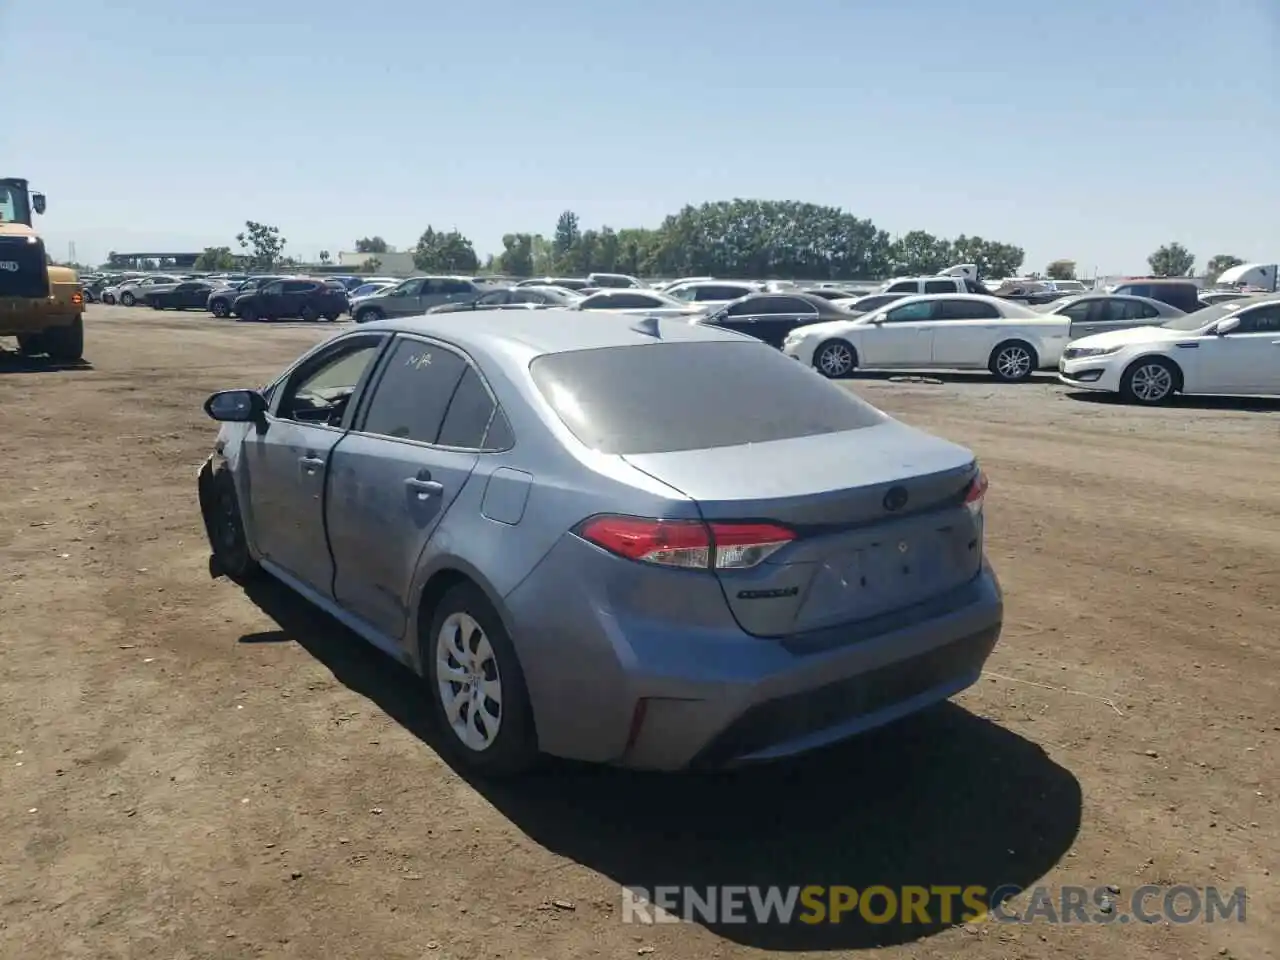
220 309
248 313
310 313
1013 361
477 687
30 345
64 344
835 358
368 315
128 299
332 317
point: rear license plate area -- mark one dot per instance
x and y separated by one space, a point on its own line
894 566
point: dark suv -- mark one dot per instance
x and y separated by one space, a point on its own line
292 297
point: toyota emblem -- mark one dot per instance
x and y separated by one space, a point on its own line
895 499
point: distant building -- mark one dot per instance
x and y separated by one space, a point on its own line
392 263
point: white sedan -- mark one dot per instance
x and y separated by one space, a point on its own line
1230 349
940 331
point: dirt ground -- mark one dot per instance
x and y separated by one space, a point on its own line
187 771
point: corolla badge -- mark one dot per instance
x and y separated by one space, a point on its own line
896 498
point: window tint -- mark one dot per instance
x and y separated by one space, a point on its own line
902 286
713 395
768 305
1262 320
531 296
319 390
456 286
469 414
410 288
274 287
718 293
299 286
966 310
619 301
939 286
497 297
908 312
1146 311
413 394
1077 311
499 435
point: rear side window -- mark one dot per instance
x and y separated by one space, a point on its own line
966 310
410 400
719 293
711 394
939 286
903 286
456 286
469 414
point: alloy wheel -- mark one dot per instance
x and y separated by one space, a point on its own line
835 360
1151 382
1013 363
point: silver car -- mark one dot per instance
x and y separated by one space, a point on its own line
415 296
1101 312
633 541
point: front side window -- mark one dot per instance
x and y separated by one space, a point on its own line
410 400
1262 320
911 312
410 288
903 286
319 391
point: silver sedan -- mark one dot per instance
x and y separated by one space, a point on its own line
633 541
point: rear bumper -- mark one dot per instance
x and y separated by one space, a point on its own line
634 688
19 318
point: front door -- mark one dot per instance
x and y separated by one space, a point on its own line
393 480
1246 360
903 337
270 299
286 465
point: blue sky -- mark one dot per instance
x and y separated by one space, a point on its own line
1094 130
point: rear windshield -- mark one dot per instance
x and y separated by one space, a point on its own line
667 397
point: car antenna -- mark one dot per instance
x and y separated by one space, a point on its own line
649 327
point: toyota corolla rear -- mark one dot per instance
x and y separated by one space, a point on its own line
764 564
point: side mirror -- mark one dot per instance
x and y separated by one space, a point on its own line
38 202
1226 325
236 406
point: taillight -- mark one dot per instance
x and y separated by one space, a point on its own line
77 298
690 544
976 494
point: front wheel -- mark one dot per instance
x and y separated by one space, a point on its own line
310 313
224 525
1151 380
477 687
368 315
220 309
128 299
1013 362
332 317
248 314
835 358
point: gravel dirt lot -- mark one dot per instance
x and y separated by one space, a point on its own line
189 771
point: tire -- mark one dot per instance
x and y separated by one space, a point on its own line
30 345
835 359
248 313
310 313
463 625
220 309
1013 361
368 315
128 299
1150 381
65 344
155 305
224 525
332 317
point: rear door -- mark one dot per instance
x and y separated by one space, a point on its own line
394 477
778 316
964 332
1121 313
1084 317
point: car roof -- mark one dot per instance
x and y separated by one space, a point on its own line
526 334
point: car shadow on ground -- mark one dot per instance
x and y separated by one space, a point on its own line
1244 404
945 376
13 362
944 798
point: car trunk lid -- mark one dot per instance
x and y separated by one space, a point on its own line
879 516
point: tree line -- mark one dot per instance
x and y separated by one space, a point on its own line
729 238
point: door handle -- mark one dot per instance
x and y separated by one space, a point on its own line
311 464
424 488
1275 343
